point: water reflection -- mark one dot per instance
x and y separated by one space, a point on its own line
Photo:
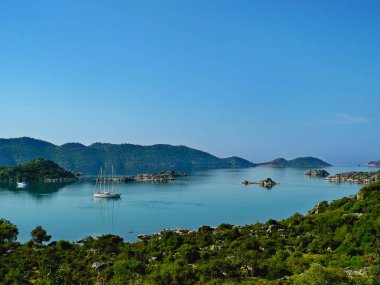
38 190
256 186
107 212
208 198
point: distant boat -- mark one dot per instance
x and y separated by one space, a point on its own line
105 186
22 184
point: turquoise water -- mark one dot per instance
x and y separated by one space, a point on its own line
204 198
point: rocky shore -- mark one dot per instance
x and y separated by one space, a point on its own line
358 177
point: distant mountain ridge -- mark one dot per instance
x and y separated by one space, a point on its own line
126 158
300 162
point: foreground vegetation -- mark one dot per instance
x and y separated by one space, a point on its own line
336 243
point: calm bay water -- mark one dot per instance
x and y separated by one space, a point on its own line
204 198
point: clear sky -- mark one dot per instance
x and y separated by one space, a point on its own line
257 79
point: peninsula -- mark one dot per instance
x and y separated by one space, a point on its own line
37 170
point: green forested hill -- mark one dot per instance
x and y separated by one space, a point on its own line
335 243
300 162
125 157
36 170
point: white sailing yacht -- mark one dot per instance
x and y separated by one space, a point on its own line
104 187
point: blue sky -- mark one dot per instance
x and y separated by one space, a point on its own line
258 79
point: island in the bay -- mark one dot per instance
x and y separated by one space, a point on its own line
335 243
300 162
37 170
374 163
267 183
317 173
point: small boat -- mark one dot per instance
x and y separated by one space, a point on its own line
105 186
22 184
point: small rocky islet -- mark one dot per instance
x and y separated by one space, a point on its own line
267 183
317 173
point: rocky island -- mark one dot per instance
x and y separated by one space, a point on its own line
358 177
317 173
36 170
161 177
267 183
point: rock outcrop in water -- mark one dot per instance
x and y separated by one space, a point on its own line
269 183
317 173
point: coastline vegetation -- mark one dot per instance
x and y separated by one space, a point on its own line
335 243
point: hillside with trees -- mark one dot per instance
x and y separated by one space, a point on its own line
36 170
300 162
126 158
335 243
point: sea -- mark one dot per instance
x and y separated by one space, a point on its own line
210 197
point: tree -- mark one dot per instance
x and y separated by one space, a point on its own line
374 275
8 231
189 252
319 275
39 235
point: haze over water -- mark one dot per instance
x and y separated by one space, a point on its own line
204 198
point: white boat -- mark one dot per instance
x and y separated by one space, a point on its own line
22 184
105 186
106 194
